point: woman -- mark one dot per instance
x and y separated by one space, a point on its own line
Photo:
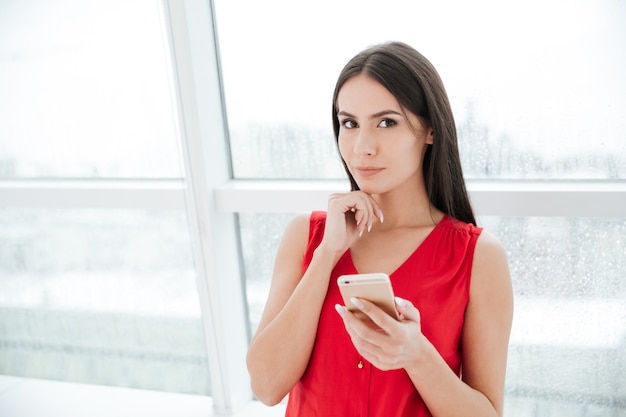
408 215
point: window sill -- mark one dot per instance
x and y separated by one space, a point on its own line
526 198
25 397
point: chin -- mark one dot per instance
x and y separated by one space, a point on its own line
370 189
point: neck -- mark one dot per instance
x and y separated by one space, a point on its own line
403 208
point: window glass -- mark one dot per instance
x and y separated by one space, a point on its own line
100 296
103 296
85 91
568 339
536 95
260 236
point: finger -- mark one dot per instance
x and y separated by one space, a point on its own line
374 212
359 206
378 212
407 310
355 320
343 311
365 335
344 208
383 321
363 212
368 339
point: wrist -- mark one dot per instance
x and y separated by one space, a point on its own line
330 255
426 356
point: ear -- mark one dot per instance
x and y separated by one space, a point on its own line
429 138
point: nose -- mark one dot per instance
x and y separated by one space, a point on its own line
365 143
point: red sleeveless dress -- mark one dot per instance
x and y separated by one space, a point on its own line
436 279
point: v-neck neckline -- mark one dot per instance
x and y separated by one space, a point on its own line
418 249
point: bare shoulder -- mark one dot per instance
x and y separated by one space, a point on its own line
296 234
490 254
300 222
490 271
292 247
489 246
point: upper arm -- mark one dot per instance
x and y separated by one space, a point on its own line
488 321
287 267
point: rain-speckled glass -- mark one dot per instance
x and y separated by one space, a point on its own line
537 88
100 296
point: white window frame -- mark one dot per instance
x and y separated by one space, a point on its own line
540 198
212 197
522 198
202 121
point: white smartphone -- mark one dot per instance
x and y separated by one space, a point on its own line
375 288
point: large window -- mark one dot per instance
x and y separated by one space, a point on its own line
539 99
536 88
95 288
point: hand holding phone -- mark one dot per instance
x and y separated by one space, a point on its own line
375 287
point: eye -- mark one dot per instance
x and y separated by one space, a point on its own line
348 123
387 123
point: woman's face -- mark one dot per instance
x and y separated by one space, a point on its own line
382 144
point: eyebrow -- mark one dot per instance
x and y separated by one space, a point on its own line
373 116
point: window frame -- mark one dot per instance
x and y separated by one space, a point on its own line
201 112
517 198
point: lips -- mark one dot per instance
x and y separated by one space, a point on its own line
367 171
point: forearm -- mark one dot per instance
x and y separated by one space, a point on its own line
279 353
443 392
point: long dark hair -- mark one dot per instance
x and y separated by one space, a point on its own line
415 83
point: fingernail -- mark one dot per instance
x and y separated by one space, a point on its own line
369 226
401 302
341 310
358 303
380 216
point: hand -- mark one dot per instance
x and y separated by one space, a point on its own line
349 215
392 344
